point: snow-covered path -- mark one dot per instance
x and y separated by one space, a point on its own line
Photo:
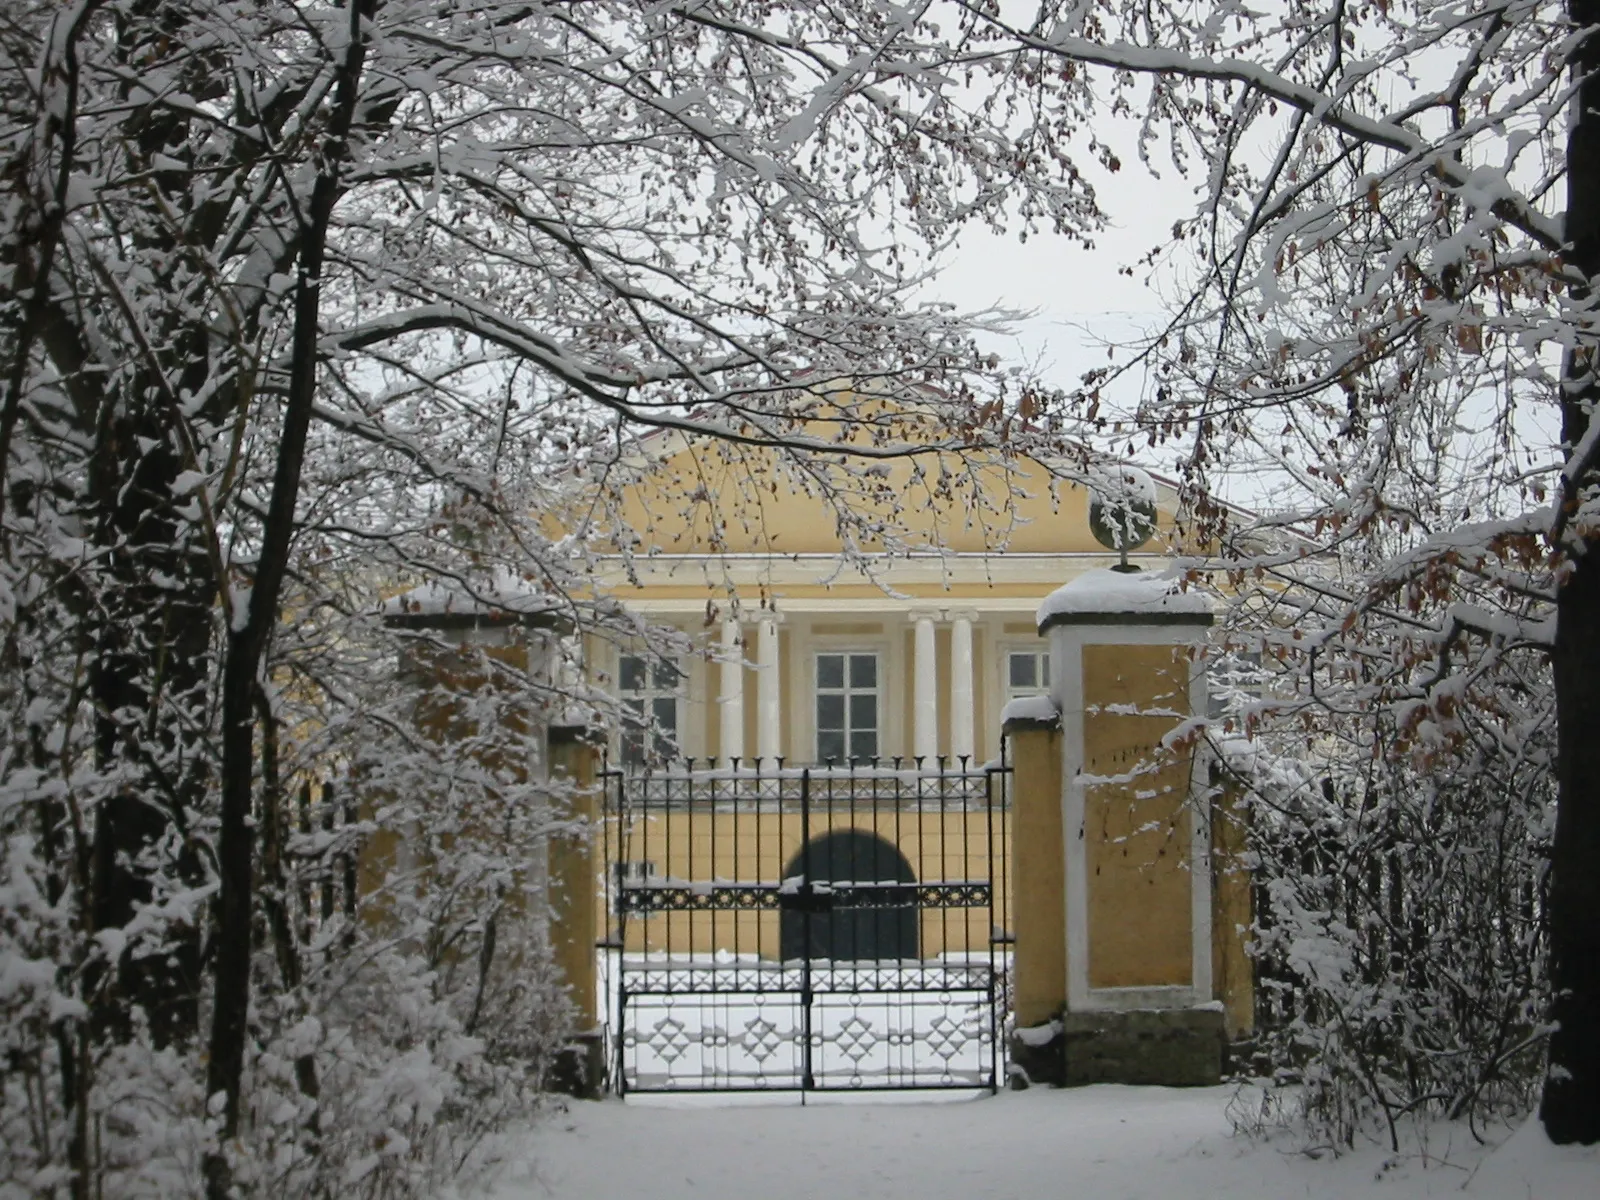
1101 1143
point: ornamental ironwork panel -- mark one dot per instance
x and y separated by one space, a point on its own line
807 928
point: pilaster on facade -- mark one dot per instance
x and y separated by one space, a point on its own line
925 686
769 687
962 741
730 695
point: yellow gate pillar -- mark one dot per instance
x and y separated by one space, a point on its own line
1136 895
454 650
1038 889
453 639
575 890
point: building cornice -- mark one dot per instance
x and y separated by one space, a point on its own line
773 570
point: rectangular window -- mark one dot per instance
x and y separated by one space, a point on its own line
847 707
649 689
1027 673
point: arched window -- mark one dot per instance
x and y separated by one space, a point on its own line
850 933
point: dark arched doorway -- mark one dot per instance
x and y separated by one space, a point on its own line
837 928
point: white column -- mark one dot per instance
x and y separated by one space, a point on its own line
961 742
925 685
730 698
769 690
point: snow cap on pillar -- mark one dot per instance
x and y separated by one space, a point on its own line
1110 597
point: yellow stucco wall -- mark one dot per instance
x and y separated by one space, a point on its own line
1137 833
1232 912
713 497
1039 981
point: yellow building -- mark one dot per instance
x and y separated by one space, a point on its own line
810 650
886 779
808 821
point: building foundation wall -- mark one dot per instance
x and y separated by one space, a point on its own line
1166 1047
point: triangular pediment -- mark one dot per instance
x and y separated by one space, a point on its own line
705 498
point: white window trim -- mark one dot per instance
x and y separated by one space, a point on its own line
690 680
1003 666
803 651
880 690
1000 674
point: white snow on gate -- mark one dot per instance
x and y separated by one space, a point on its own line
729 1021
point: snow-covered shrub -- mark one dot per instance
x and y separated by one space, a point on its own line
1399 942
398 1028
408 1011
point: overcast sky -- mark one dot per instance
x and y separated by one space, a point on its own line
1075 294
1078 298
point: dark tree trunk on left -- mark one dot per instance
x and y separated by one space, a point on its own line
151 668
247 639
1570 1108
154 655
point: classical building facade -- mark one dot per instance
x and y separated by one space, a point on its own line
858 815
813 655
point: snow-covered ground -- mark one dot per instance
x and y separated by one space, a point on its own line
1100 1143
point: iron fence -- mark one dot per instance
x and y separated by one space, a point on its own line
813 927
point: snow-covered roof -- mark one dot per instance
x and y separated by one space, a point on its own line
504 600
1124 598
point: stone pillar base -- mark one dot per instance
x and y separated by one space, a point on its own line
580 1067
1180 1047
1036 1057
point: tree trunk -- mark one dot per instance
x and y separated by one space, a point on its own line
247 640
152 661
32 264
1571 1103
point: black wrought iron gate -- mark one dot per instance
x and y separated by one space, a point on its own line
807 928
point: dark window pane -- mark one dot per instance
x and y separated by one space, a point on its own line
830 670
864 711
665 711
863 670
830 744
664 744
830 711
666 674
863 743
630 673
1044 670
1024 671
